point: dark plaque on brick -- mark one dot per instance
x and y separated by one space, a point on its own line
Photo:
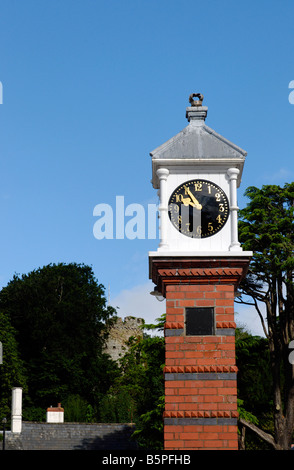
199 321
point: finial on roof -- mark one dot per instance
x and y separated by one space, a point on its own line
196 113
193 102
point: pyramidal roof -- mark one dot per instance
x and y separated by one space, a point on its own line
197 143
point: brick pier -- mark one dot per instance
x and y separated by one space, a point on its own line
200 366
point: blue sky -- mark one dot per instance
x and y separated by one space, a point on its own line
90 87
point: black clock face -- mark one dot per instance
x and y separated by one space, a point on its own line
198 208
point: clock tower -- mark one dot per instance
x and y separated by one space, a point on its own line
197 267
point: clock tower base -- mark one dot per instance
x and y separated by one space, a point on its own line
200 366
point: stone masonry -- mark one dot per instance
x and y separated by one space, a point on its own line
119 335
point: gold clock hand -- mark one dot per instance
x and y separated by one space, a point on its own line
197 204
187 202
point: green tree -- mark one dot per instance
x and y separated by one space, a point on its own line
254 387
12 372
137 394
59 314
254 374
266 228
149 427
77 410
141 378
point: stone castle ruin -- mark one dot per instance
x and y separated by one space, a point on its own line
119 334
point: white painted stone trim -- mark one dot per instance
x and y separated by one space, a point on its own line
16 410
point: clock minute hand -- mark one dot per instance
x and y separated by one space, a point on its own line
197 204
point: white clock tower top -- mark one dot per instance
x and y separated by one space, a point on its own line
197 153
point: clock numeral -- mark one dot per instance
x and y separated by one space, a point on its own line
198 186
173 208
221 208
186 190
198 230
209 189
179 197
210 227
219 219
217 197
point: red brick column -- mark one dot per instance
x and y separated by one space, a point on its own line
200 370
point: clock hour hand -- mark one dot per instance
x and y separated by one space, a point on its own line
187 202
196 203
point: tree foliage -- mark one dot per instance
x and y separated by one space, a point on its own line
58 313
254 375
12 370
254 387
137 394
266 228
